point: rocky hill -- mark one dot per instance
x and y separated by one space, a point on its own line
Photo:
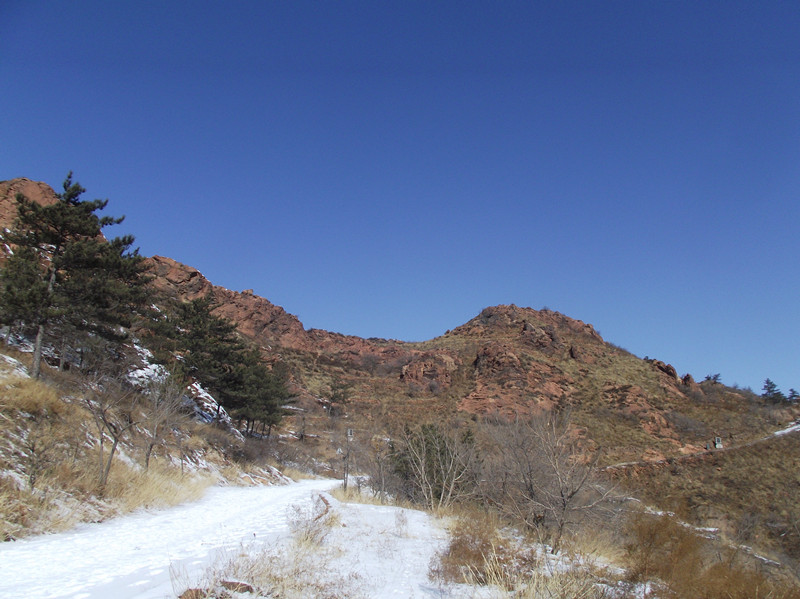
507 360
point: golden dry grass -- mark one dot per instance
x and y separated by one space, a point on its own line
50 465
749 493
659 548
479 550
158 487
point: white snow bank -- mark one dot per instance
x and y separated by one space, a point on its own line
388 550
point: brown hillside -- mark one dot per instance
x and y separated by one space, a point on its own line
511 360
507 360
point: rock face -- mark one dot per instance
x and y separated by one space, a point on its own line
667 369
33 190
255 317
431 370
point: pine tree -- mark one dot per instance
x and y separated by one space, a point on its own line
263 394
772 393
63 276
212 353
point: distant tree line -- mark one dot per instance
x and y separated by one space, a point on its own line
78 296
772 394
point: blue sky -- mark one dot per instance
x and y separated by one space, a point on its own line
389 169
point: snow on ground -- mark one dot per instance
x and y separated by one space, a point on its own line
789 429
9 367
386 550
149 372
131 557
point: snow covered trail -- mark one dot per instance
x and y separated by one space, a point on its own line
131 557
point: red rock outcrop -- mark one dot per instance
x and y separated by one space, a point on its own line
33 190
255 317
433 370
667 369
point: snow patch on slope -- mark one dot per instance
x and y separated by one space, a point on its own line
9 367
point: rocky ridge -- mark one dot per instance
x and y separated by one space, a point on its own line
507 360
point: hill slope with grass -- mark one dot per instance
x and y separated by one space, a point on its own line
67 456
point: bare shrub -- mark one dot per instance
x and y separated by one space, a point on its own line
540 475
481 552
686 424
161 412
659 546
378 461
439 464
662 549
114 410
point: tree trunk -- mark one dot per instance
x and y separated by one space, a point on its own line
107 468
147 454
37 347
36 367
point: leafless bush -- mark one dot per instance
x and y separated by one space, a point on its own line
540 475
161 412
114 410
441 465
686 424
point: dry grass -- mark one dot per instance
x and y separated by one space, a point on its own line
690 566
157 487
50 465
354 494
295 473
572 583
478 550
24 511
482 553
311 524
750 493
286 572
31 397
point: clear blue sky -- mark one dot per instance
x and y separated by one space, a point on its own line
389 169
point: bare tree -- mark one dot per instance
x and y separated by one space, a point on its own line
378 465
162 410
39 447
440 464
113 408
542 475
